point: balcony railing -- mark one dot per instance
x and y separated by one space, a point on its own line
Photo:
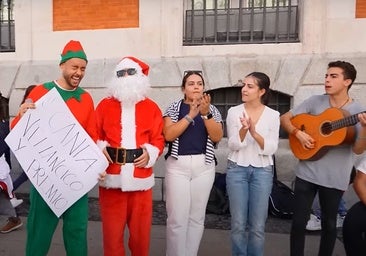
7 33
241 25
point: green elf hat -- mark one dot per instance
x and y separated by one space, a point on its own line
73 49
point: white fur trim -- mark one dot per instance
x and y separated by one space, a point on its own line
102 144
128 123
153 154
126 181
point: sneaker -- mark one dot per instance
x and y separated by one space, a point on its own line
16 202
314 223
340 220
12 224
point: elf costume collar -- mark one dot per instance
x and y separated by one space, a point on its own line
66 95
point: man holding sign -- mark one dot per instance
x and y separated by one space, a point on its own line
42 220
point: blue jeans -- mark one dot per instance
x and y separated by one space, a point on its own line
248 189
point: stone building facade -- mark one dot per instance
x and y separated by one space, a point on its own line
329 30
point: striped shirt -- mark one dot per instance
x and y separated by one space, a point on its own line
173 112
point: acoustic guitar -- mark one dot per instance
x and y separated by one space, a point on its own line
332 127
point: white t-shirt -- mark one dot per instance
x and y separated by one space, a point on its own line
360 163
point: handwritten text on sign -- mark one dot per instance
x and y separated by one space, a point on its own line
61 160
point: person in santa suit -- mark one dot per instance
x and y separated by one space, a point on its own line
130 129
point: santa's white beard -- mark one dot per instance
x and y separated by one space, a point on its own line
129 89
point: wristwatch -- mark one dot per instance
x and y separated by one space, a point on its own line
208 116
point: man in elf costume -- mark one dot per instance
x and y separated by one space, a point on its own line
130 129
42 222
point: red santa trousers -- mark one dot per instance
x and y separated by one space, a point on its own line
119 209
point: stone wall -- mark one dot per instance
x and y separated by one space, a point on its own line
299 76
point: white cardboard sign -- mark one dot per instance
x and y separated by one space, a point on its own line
60 159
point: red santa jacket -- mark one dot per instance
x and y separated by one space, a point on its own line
78 101
131 127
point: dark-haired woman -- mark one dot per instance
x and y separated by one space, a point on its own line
253 131
191 126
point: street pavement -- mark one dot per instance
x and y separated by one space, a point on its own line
215 241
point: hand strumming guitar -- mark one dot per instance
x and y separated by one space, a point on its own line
305 139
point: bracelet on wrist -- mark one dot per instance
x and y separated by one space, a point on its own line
189 119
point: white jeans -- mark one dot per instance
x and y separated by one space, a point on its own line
188 183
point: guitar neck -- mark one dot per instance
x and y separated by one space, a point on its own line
345 122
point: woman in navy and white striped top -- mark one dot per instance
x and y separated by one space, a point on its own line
192 126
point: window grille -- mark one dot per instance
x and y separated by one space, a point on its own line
7 35
210 22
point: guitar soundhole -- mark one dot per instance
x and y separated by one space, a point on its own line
326 128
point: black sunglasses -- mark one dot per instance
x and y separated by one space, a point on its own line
129 71
191 72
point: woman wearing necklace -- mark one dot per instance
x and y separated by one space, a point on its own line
253 131
329 175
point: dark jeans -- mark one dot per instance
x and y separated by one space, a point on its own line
20 180
354 230
4 148
329 200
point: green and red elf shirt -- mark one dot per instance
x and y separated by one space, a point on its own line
78 101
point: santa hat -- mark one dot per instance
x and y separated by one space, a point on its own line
132 62
73 49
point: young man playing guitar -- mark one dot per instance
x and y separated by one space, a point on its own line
329 174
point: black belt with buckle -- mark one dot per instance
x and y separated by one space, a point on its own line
122 156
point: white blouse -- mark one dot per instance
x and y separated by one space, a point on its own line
248 152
